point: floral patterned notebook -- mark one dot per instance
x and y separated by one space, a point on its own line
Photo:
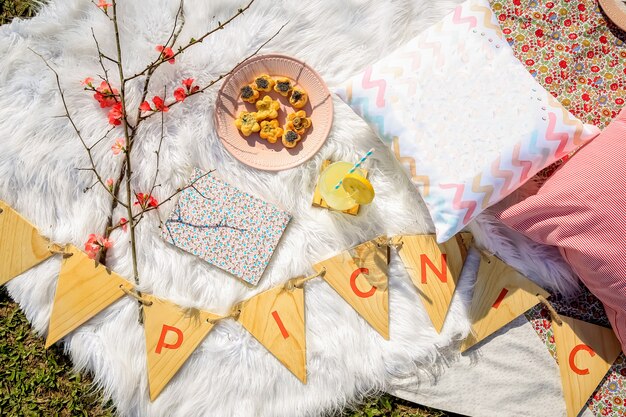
226 227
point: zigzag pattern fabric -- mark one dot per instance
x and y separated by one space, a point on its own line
463 115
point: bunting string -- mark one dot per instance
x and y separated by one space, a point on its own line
553 314
133 293
276 316
299 282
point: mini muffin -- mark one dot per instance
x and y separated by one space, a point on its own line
270 130
249 94
298 122
283 86
298 98
264 83
247 123
267 108
291 138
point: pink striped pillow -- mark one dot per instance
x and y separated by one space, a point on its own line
582 210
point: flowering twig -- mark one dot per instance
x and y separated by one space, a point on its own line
192 42
80 136
222 76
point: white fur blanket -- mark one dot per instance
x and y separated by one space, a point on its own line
230 374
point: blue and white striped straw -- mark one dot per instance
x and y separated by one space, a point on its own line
356 166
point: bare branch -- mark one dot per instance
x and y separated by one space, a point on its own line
180 14
102 138
161 59
69 117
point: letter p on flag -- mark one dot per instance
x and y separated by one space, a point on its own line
164 332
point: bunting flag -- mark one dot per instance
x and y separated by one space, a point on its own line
276 319
585 352
21 245
83 290
434 269
501 294
172 334
360 277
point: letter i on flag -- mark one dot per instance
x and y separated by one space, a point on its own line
434 269
276 319
172 335
21 245
360 277
83 290
585 352
501 294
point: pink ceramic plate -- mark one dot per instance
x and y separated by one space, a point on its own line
259 153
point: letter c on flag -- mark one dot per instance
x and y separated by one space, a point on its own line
162 344
357 291
572 356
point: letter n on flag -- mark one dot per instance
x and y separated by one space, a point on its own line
585 352
172 334
501 294
434 269
83 290
360 277
276 319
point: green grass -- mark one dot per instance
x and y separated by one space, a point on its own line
16 8
39 382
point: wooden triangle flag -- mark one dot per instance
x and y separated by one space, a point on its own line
501 294
276 319
360 277
585 352
21 245
172 335
434 269
83 290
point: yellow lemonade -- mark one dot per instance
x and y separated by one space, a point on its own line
338 199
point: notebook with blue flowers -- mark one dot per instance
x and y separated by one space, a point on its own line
225 226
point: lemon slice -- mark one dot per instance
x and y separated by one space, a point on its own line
359 188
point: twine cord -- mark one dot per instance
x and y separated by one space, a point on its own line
55 248
298 282
135 296
234 314
390 242
553 314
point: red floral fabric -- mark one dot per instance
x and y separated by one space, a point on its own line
572 50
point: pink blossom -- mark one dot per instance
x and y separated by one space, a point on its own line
188 82
124 223
180 94
119 146
160 104
105 95
88 82
145 200
145 106
95 243
109 182
166 53
103 5
116 114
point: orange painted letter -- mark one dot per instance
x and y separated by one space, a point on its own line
442 275
353 278
280 324
175 345
500 298
572 356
